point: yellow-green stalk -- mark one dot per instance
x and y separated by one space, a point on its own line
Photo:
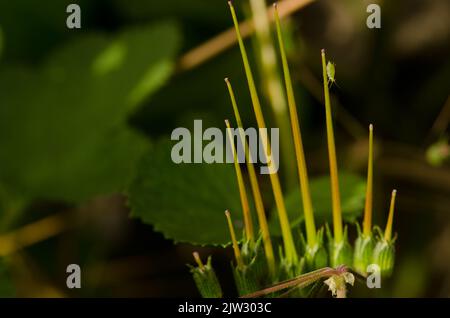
367 223
273 87
259 206
290 251
339 248
298 144
335 196
390 221
384 252
236 250
364 244
242 192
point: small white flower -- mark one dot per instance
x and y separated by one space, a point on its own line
331 285
336 284
349 278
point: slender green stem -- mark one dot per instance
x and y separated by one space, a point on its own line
242 192
198 260
255 187
237 251
337 214
367 224
390 221
291 253
273 87
301 162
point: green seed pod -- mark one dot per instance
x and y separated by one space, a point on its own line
205 278
362 256
287 269
254 274
245 279
384 252
340 252
384 256
315 257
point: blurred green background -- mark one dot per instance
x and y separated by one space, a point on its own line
82 110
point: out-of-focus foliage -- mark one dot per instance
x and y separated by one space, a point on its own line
6 284
31 28
64 124
1 41
198 11
438 153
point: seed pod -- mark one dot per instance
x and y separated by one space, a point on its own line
315 257
254 257
205 278
362 256
365 243
287 269
384 252
245 279
340 252
384 256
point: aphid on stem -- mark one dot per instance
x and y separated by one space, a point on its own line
331 73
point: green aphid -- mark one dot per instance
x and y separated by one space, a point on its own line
331 72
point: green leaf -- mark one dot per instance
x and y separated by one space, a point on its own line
352 190
186 202
63 127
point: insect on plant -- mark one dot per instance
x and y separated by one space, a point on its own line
331 72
